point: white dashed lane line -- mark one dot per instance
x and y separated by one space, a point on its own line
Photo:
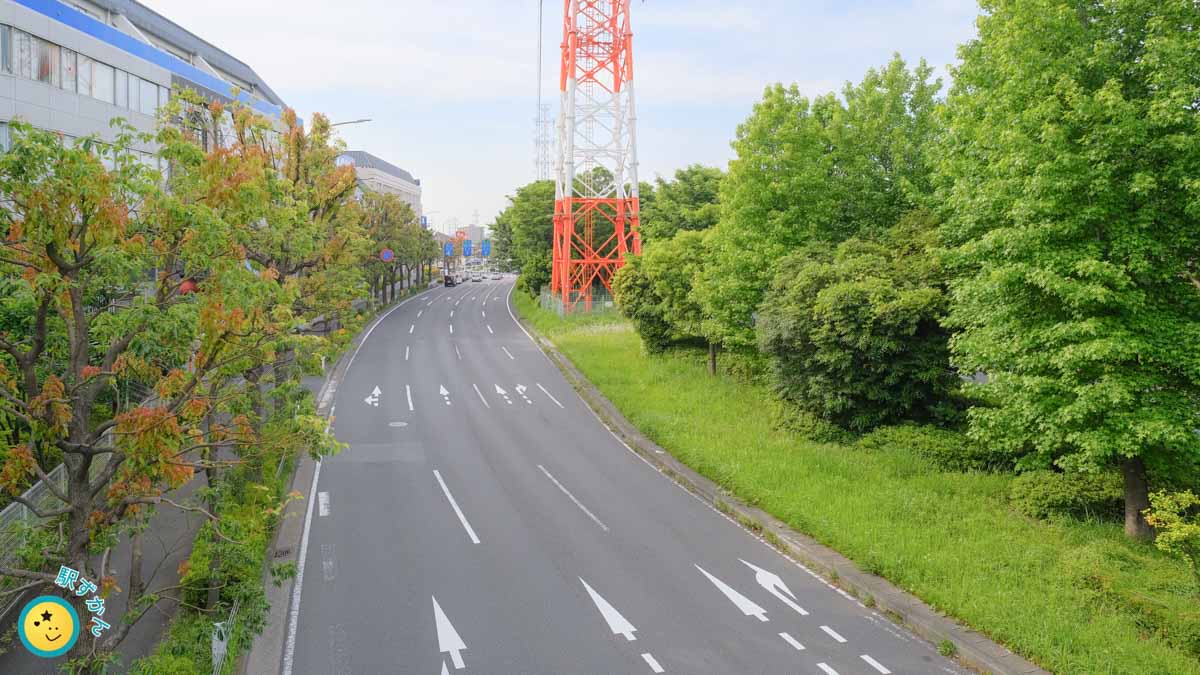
833 634
875 664
792 641
652 662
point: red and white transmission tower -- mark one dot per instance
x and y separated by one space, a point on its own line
596 194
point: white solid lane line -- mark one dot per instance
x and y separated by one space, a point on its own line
650 661
875 664
827 670
567 492
539 386
461 518
481 398
323 503
618 624
833 634
408 392
511 357
792 641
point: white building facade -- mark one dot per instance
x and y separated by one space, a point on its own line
379 175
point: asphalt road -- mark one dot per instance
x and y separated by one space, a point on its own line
483 520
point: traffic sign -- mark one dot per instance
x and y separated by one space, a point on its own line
424 221
467 248
448 249
386 255
486 247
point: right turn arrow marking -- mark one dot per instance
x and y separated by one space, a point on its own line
775 586
748 607
619 624
448 638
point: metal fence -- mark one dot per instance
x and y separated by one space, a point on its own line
596 302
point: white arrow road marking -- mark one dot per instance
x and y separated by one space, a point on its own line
650 661
445 394
509 354
373 399
521 390
539 386
323 503
453 504
408 392
775 586
572 498
748 607
792 641
617 623
405 352
444 671
491 331
448 639
481 398
827 670
833 634
875 664
503 393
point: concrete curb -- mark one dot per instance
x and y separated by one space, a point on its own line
265 656
972 649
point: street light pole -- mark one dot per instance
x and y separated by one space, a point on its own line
338 124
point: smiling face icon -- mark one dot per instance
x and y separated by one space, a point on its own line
48 626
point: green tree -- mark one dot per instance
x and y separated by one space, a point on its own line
689 202
854 334
387 222
529 217
654 291
814 171
1068 174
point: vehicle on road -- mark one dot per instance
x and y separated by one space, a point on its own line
448 280
496 275
476 276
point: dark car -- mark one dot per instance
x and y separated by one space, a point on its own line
448 280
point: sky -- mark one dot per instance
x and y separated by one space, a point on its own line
451 85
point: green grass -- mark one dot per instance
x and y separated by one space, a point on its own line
1073 596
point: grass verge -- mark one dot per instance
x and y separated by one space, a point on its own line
1075 596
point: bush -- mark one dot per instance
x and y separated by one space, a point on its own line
1042 494
854 335
788 417
946 450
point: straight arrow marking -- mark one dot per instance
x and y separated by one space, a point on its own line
775 586
448 638
748 607
617 623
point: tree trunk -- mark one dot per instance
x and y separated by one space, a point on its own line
712 358
1137 499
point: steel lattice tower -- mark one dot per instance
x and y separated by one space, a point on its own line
596 193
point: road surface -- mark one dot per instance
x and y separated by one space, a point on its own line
483 520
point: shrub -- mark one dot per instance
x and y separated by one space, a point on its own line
854 334
946 450
1176 517
1041 494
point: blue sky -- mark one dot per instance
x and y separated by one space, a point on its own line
451 84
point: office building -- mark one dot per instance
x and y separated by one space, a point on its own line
381 176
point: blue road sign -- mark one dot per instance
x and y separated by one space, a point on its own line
448 249
386 255
424 221
467 248
486 247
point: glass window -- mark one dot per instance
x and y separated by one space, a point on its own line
47 63
103 76
23 48
5 141
164 96
149 102
135 95
6 47
68 70
122 89
85 75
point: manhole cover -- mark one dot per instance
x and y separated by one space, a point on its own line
398 424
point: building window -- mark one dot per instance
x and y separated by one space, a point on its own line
135 91
6 48
164 96
68 70
149 102
102 81
47 63
5 139
85 75
23 48
122 89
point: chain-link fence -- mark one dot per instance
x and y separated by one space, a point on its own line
595 302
